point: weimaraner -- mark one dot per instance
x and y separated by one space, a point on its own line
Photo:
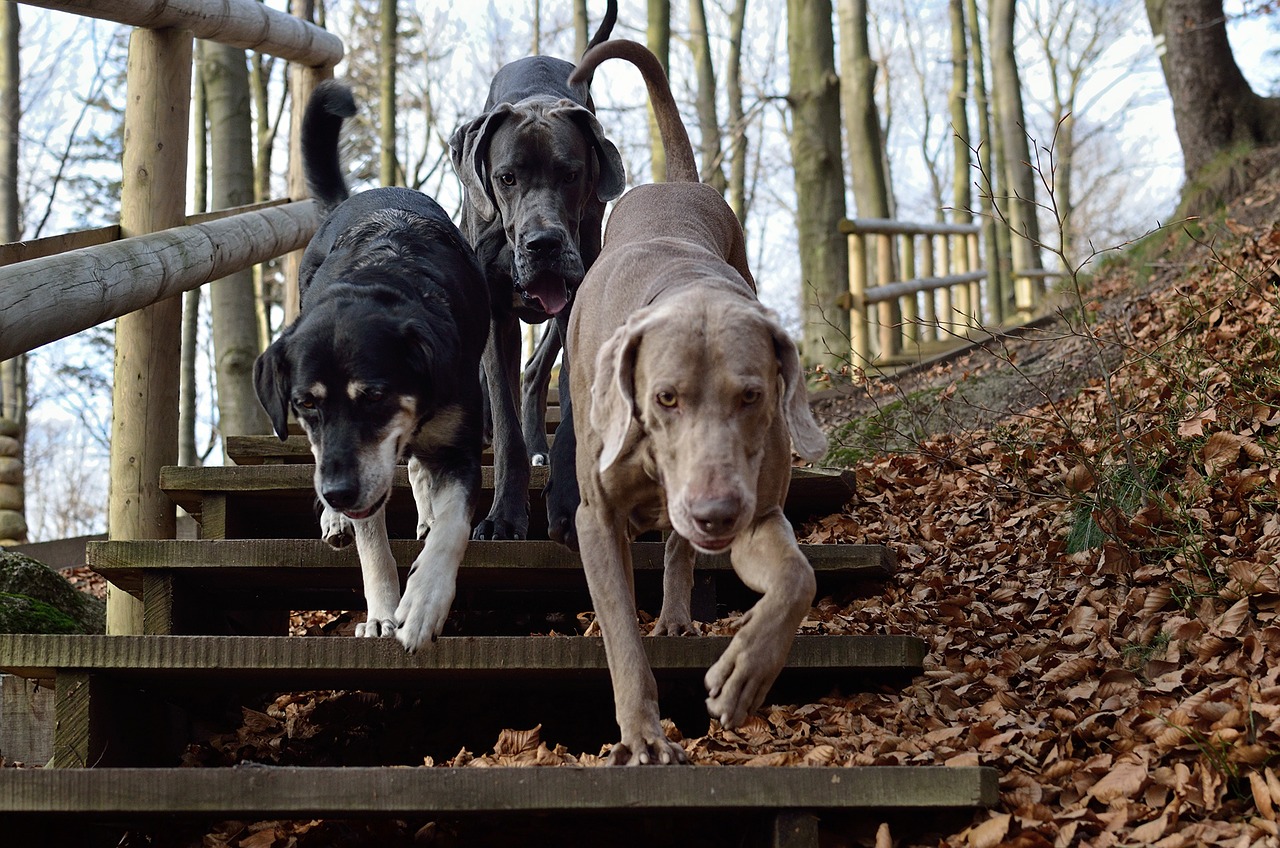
536 170
689 395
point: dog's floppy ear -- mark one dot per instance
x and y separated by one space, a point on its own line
272 382
613 402
806 435
469 150
612 179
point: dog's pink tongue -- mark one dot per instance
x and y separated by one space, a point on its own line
550 297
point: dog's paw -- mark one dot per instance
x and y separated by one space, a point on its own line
497 529
738 682
674 624
336 529
648 748
421 616
376 628
539 460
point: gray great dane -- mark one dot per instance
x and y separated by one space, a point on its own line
536 170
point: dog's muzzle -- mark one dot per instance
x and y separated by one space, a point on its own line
547 269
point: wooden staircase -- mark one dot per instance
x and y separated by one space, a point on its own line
216 615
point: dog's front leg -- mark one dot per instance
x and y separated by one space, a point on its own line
381 580
509 516
768 560
561 493
606 558
420 485
433 578
677 588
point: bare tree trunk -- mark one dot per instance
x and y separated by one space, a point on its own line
862 119
995 238
1019 173
737 119
960 185
536 48
13 372
388 168
658 37
708 120
187 451
231 299
819 177
1214 107
580 24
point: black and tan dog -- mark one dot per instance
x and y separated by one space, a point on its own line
536 170
383 362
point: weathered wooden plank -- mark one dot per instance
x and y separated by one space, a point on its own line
73 718
278 501
300 792
257 450
238 23
287 662
26 721
256 563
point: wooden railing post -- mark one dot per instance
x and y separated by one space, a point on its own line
975 288
910 303
859 332
963 303
144 425
889 313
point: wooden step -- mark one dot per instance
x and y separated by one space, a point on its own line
504 588
707 807
115 694
278 501
268 450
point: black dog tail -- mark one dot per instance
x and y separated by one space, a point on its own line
681 166
606 25
330 104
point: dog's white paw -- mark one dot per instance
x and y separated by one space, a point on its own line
422 613
376 628
336 529
539 460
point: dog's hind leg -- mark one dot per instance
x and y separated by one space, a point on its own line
677 588
534 388
509 516
768 560
419 483
428 595
381 580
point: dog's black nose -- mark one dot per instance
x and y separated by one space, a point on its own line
716 516
340 495
545 244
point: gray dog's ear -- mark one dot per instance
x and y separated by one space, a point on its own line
612 179
469 150
272 383
807 437
613 402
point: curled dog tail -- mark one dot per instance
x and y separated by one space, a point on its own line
681 167
330 104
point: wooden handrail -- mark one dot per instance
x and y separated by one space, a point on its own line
890 291
887 226
96 284
236 23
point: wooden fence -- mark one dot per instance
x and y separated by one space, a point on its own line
920 289
69 283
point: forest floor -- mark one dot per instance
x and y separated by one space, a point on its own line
1086 519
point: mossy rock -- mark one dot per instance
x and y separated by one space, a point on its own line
30 578
20 614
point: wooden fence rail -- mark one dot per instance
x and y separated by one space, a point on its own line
920 288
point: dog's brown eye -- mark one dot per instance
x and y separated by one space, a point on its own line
307 403
374 395
750 396
507 179
571 177
667 399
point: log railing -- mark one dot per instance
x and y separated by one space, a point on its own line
134 273
919 288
